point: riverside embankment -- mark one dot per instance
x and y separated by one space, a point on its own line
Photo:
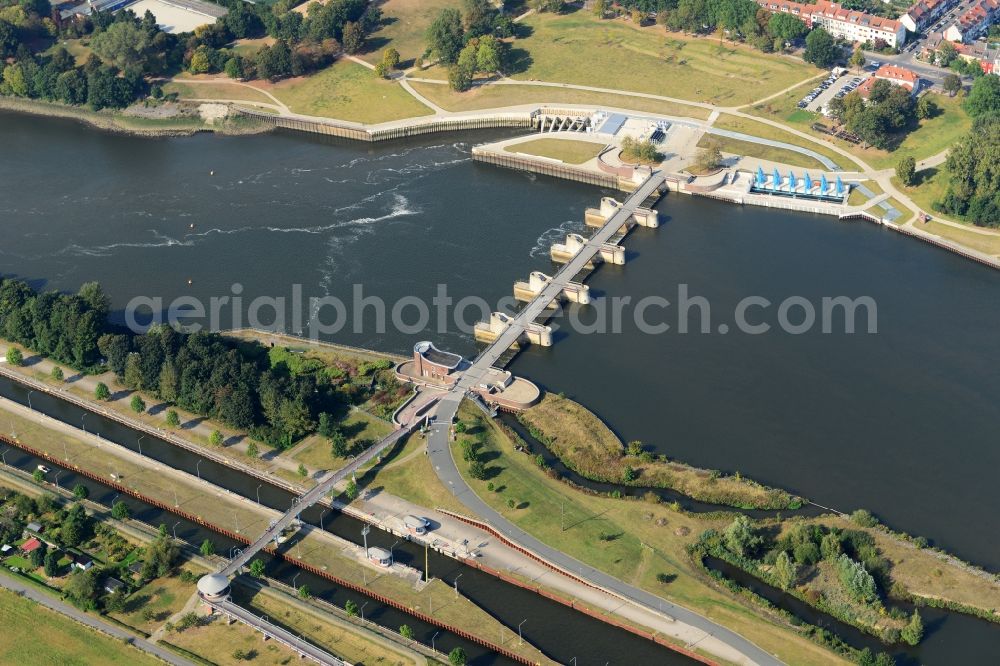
506 602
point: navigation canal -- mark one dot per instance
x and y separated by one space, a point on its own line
554 628
901 422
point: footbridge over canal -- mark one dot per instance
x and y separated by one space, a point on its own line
320 490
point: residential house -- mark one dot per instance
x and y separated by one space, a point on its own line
973 22
924 13
896 75
842 23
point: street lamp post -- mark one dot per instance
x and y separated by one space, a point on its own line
520 637
433 646
456 584
3 456
295 578
364 533
139 442
57 476
174 530
258 494
236 520
363 611
82 424
197 467
29 400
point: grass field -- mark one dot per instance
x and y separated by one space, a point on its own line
625 527
770 153
765 131
348 642
409 475
408 21
217 642
227 91
929 138
486 97
35 635
578 48
348 91
162 597
357 426
569 151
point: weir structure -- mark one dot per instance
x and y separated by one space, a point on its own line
575 292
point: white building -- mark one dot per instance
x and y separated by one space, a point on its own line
842 23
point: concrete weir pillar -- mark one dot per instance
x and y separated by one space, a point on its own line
575 292
612 253
489 331
644 217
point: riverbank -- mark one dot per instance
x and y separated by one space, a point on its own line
121 123
586 445
647 543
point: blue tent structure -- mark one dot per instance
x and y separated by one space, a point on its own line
775 179
760 177
791 181
840 187
808 184
823 185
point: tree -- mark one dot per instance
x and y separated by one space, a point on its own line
216 438
257 568
351 608
252 451
15 357
477 470
511 503
138 404
457 657
926 108
173 419
709 157
123 43
906 170
38 475
102 392
864 518
786 27
459 78
133 371
81 588
200 62
120 510
830 547
354 38
351 492
445 35
913 632
303 472
740 537
390 58
857 60
8 39
479 16
629 475
37 556
984 97
338 444
600 8
785 571
207 548
57 373
952 83
406 632
80 491
821 50
946 54
52 565
856 579
490 54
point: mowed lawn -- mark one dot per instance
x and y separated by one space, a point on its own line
578 48
488 97
35 635
214 90
406 25
570 151
762 152
348 91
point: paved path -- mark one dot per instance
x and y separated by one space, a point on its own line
91 621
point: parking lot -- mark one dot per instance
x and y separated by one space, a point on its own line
832 86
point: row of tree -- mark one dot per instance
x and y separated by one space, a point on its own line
973 163
879 120
469 42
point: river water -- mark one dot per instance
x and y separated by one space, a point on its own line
901 422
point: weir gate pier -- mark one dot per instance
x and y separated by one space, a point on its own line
436 402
